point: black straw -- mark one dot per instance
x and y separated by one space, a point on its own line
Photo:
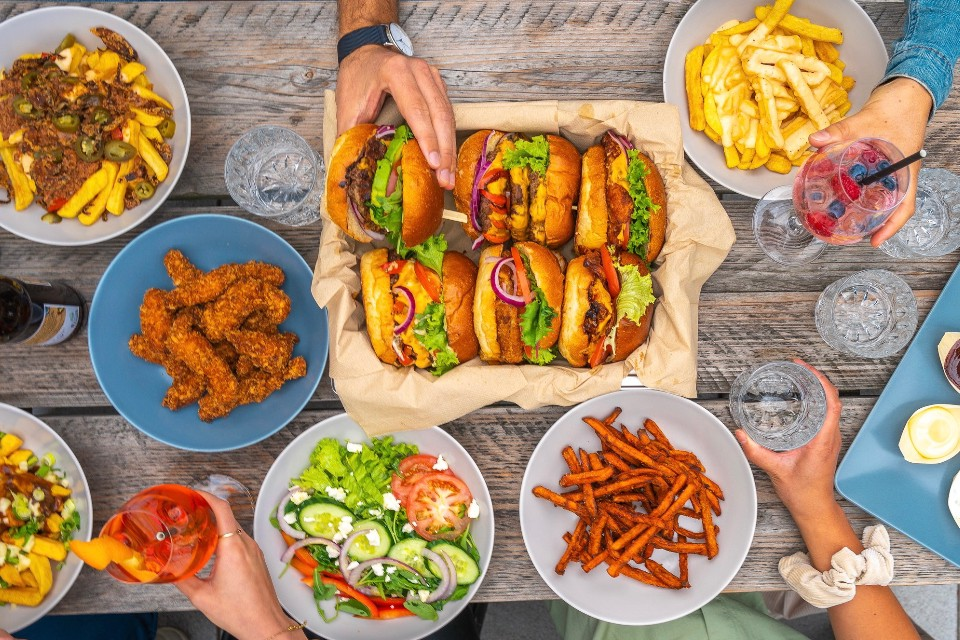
896 166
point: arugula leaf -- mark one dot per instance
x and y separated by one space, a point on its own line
534 153
421 609
431 329
354 608
536 319
642 205
321 590
430 252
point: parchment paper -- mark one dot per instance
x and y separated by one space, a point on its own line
383 398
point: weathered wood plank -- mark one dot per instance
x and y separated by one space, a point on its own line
119 461
244 66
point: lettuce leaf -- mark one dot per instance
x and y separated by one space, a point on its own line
534 153
535 321
429 253
636 293
430 328
643 206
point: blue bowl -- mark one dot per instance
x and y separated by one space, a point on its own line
136 387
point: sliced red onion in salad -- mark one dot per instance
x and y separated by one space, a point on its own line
299 544
344 560
509 298
448 576
281 512
411 310
385 130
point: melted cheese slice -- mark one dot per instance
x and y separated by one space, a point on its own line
617 172
408 278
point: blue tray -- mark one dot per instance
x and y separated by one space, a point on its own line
874 475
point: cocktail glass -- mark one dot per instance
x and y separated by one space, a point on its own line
781 405
170 531
871 314
274 173
827 204
934 228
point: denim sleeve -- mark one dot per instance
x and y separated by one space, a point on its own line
929 48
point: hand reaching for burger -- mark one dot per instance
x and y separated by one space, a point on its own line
365 78
896 111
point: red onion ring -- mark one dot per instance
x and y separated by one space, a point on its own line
482 166
411 311
385 130
344 559
357 573
447 579
376 235
292 549
510 299
281 511
621 140
476 243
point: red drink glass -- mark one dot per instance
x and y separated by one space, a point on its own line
171 526
829 199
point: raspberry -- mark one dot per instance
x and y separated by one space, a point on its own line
844 184
836 209
870 156
820 224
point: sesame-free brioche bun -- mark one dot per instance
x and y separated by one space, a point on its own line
458 281
346 150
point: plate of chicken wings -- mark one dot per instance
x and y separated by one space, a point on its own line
204 333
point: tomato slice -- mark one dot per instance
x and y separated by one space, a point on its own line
409 472
428 278
491 176
394 266
498 200
613 281
523 284
437 506
599 354
56 205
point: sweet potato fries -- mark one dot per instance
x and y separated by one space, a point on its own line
217 335
630 496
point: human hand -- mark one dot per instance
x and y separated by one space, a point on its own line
238 596
803 478
365 78
6 636
896 111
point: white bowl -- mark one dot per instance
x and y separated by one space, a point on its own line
41 439
622 600
295 597
863 52
41 30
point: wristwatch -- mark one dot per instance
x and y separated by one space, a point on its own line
388 35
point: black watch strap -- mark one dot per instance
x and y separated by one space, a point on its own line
375 34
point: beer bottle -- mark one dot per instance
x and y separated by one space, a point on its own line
38 313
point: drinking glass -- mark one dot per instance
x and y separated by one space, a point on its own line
872 314
171 527
934 228
781 405
827 203
272 172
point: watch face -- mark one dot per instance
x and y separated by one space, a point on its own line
400 39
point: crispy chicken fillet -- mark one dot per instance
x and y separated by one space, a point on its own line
195 351
268 352
179 268
238 302
257 386
210 285
155 319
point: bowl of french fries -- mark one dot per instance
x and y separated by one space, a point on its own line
44 504
638 507
94 131
753 81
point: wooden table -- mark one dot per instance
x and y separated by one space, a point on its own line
252 63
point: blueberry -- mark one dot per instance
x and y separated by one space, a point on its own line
883 164
836 209
816 196
858 171
889 183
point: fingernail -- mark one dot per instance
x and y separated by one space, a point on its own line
740 436
434 159
819 137
446 177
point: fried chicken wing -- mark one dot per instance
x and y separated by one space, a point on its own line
155 318
179 268
268 352
210 285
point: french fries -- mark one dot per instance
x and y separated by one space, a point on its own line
629 498
751 80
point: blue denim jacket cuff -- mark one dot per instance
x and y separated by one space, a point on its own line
929 67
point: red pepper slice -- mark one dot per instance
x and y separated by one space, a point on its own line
523 284
429 280
117 134
599 354
613 281
56 205
387 602
394 266
491 175
350 592
399 612
498 200
405 359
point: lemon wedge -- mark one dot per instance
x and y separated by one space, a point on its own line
932 434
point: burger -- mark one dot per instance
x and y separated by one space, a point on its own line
623 203
516 188
607 306
418 316
516 308
379 186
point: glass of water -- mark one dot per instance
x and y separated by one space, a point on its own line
872 314
272 172
934 228
781 405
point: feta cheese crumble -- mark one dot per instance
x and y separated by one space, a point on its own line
373 537
407 528
353 565
377 569
353 447
290 517
337 493
441 464
299 497
474 510
391 502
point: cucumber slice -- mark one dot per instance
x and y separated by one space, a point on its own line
410 551
467 569
363 549
322 519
